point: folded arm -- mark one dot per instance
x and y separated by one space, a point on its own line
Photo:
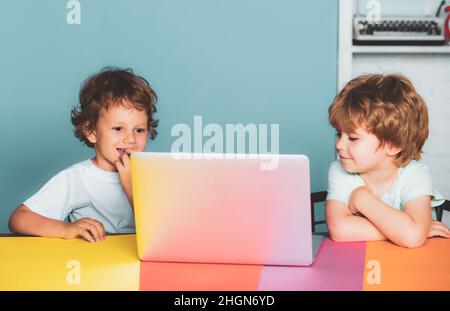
408 228
343 226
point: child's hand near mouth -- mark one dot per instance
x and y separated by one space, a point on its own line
123 166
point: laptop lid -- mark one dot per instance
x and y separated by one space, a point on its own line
220 208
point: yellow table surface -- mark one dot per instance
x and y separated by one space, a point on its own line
31 263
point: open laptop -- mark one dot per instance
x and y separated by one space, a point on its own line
217 208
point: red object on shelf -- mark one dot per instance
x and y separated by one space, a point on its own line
447 23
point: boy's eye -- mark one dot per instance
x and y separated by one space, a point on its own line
140 131
353 138
118 128
338 134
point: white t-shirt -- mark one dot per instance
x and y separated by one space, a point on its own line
84 190
412 181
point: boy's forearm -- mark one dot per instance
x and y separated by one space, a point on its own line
129 194
355 228
30 223
125 181
396 225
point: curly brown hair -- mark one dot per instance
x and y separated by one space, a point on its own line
387 106
112 86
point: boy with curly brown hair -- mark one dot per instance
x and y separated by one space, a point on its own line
115 118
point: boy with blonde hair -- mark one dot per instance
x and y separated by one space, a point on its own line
378 189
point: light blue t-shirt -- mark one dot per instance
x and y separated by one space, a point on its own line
413 180
85 191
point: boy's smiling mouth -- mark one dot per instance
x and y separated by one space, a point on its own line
122 151
343 157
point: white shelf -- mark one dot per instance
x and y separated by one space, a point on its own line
358 49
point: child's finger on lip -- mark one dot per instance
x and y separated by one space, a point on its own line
127 156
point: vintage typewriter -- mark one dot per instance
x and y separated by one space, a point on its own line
398 31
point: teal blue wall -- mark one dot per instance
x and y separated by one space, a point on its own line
230 61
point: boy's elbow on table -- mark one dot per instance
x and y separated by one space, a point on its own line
338 232
413 239
18 222
14 219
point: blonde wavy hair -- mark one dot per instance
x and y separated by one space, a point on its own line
387 106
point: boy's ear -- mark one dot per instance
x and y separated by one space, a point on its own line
90 134
392 150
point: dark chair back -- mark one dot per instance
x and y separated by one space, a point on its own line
317 197
441 208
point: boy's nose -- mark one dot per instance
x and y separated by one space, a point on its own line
129 138
339 144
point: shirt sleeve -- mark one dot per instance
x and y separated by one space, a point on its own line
340 183
52 200
419 183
